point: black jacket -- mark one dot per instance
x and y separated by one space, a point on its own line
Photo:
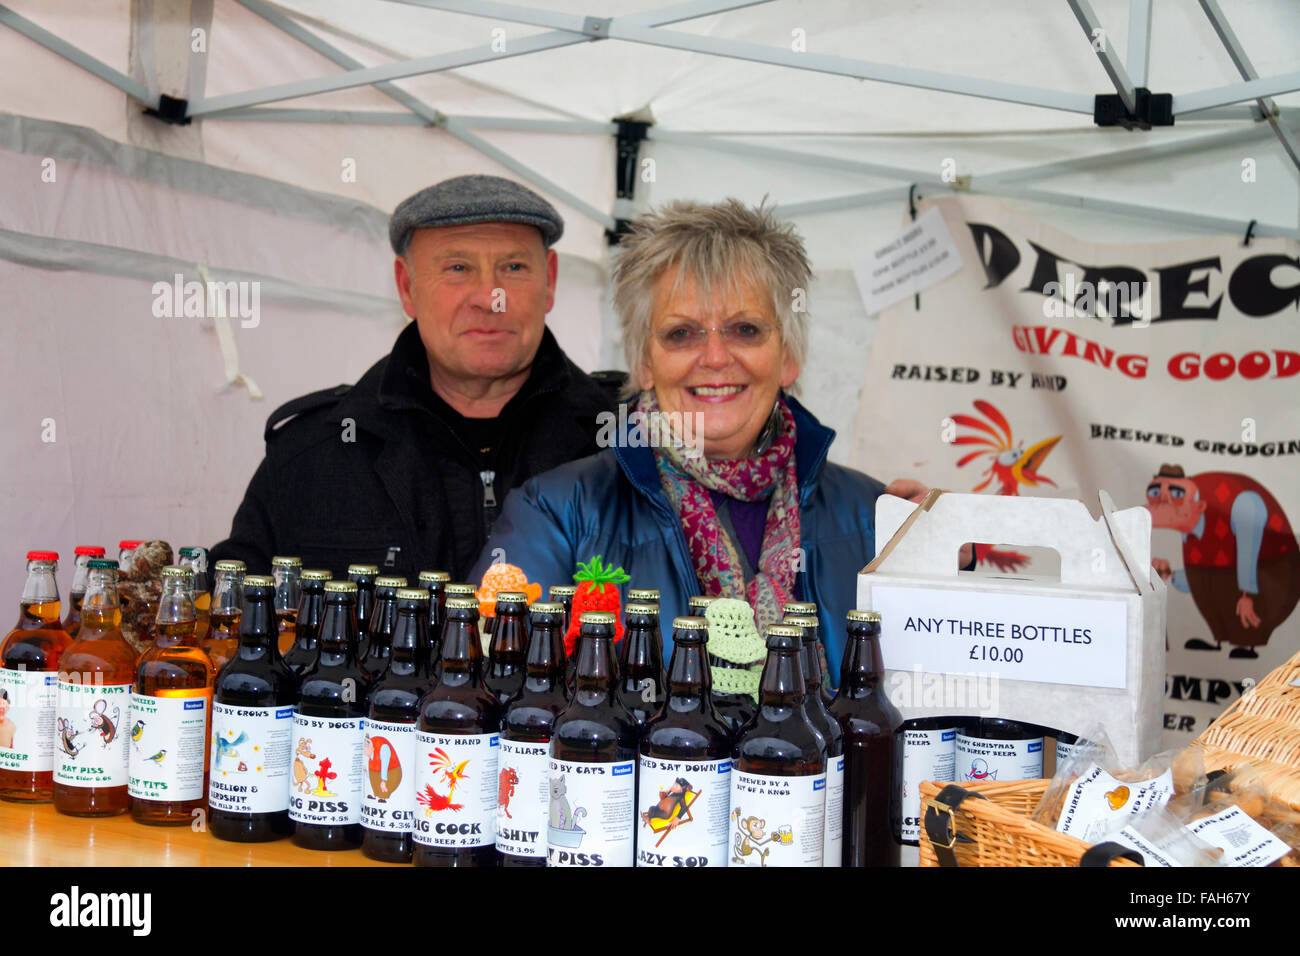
372 473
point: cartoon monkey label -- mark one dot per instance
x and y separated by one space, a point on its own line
93 734
777 821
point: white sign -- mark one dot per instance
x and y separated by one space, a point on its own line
1051 640
923 255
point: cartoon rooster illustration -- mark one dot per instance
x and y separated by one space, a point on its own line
431 799
1012 465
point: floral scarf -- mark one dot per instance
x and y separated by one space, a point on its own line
687 480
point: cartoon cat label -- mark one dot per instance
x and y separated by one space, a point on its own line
455 789
592 814
682 812
90 736
250 756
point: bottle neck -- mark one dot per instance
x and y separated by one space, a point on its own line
861 672
462 654
310 614
510 639
597 668
637 648
545 660
810 660
256 627
100 608
338 631
410 641
176 604
782 684
40 587
689 678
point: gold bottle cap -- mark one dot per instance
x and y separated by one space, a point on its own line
390 581
238 567
868 616
643 594
801 620
283 562
597 617
363 569
511 597
800 607
258 581
460 590
177 571
413 594
563 590
641 607
546 607
690 624
317 574
432 577
783 630
462 603
341 587
700 600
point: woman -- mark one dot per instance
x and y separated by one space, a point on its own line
735 497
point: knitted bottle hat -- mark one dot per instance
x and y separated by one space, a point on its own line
735 645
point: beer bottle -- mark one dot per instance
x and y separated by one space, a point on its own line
223 618
388 801
452 590
929 753
196 559
126 554
869 720
592 816
383 622
457 742
994 748
170 709
287 572
306 626
252 728
685 764
363 576
509 648
436 583
778 778
328 732
563 593
29 662
643 595
819 716
84 553
1066 745
96 673
640 662
523 790
734 707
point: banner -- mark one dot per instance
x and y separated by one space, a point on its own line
1167 374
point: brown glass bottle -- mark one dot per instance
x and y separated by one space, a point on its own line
641 662
523 771
436 583
287 572
735 710
328 732
170 712
306 626
383 621
820 717
84 553
388 798
96 674
223 617
563 593
509 647
685 764
29 661
872 751
252 728
592 819
457 745
363 576
778 778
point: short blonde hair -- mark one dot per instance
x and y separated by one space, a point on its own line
712 244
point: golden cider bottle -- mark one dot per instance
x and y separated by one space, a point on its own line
287 572
227 604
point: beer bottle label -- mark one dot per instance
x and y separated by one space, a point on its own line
777 821
682 808
93 727
523 797
251 752
455 790
169 737
1064 752
327 769
27 733
833 844
388 797
979 758
927 755
591 815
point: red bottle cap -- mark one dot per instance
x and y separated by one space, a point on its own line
129 544
42 555
89 551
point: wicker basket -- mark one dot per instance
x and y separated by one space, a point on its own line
1262 728
999 829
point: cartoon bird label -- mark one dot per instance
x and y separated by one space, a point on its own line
250 753
327 771
592 814
1097 804
388 795
777 821
28 701
682 812
169 738
981 759
455 790
91 734
523 798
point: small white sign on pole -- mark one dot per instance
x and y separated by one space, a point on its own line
922 255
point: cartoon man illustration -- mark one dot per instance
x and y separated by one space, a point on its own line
7 726
1241 563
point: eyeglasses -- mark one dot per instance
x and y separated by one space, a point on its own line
740 334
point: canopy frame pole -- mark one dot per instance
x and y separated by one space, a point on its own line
1236 93
1139 40
1105 51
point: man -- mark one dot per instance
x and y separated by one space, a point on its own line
407 468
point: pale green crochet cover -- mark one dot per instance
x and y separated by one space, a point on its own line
734 638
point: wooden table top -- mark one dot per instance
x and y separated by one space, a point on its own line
35 835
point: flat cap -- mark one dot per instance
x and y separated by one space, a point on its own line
468 199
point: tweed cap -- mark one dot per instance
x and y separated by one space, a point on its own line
469 199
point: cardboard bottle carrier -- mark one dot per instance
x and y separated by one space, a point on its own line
1066 654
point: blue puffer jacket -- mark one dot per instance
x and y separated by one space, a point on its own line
612 504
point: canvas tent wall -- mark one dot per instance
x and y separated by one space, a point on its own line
123 422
